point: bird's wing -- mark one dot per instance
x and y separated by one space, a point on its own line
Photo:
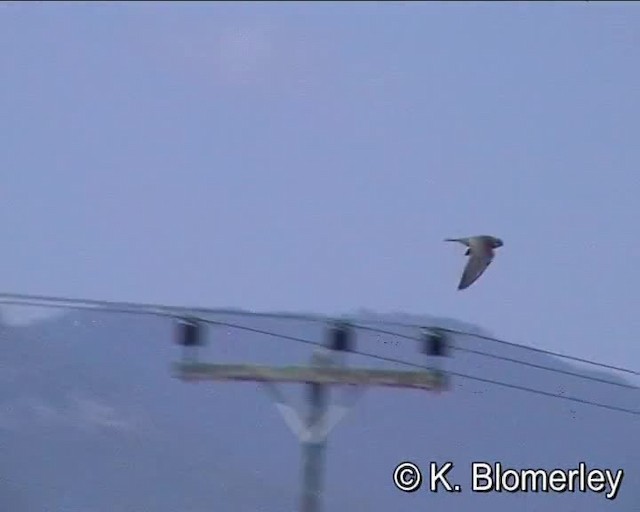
464 240
477 264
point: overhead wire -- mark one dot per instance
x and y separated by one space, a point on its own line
502 358
45 301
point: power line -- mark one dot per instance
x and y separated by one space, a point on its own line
108 307
547 352
508 343
415 365
141 308
503 358
170 311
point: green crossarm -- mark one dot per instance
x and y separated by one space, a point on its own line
433 380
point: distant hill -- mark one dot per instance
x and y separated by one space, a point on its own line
92 421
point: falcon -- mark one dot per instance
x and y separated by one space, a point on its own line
480 250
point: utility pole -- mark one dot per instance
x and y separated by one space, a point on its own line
326 369
314 446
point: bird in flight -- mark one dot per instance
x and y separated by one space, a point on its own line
480 250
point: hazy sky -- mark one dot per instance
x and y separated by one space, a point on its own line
313 156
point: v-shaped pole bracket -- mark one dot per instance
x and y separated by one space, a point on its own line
328 420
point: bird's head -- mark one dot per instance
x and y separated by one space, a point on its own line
497 242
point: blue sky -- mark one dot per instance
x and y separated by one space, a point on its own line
313 156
